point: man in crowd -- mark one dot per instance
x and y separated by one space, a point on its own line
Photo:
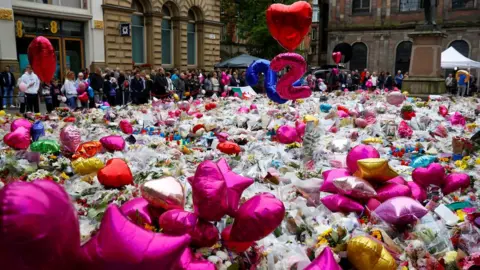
180 85
31 94
449 83
399 79
462 85
160 84
96 82
8 85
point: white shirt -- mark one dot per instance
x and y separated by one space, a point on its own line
374 80
30 79
69 88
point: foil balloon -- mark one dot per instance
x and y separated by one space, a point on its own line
18 139
373 204
113 143
392 190
455 181
404 130
360 152
443 110
375 169
337 57
113 247
298 66
243 110
434 174
229 148
166 193
22 87
328 178
216 190
39 227
401 211
457 119
138 211
21 122
179 222
190 262
42 58
83 97
90 92
289 24
45 147
84 166
361 123
340 203
87 150
418 192
270 79
423 161
257 218
126 127
115 174
365 253
325 107
324 261
354 187
37 131
395 98
70 138
234 245
300 128
287 134
397 180
342 114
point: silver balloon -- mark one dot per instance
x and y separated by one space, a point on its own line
340 145
355 187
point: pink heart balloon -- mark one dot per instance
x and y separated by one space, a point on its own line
418 192
300 127
397 180
372 204
455 181
329 176
392 190
189 262
113 143
287 134
179 222
434 174
401 211
122 245
18 139
324 261
21 122
257 218
38 227
137 211
361 151
340 203
70 138
236 246
126 127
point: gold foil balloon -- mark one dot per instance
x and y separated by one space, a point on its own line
308 118
375 169
372 140
367 254
85 166
167 193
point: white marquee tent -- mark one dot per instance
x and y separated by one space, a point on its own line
451 59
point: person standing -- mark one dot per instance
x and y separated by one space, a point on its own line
399 79
175 75
137 88
80 80
160 85
355 79
243 79
47 96
96 82
195 86
170 87
31 94
70 91
215 83
462 85
55 91
146 94
9 83
388 81
381 80
180 85
374 79
208 85
449 83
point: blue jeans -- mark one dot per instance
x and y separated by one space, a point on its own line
7 95
72 103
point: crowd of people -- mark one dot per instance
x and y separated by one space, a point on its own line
137 86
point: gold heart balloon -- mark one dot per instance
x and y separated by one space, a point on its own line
375 169
367 254
167 193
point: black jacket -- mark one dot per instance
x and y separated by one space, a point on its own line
160 85
136 85
5 79
234 82
356 79
389 82
96 81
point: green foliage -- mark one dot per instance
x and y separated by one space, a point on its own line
249 17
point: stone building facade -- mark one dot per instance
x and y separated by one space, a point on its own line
378 30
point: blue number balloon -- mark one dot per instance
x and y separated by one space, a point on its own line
263 66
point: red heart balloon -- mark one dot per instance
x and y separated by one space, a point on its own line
337 57
115 174
83 97
289 24
18 139
41 56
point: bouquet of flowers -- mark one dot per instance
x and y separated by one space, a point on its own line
407 112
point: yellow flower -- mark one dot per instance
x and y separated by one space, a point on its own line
477 161
327 232
404 268
466 158
464 166
458 163
450 256
461 215
377 235
321 242
64 176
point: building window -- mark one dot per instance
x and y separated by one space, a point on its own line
461 46
359 56
138 34
361 6
315 17
462 4
314 33
191 39
403 54
167 38
409 5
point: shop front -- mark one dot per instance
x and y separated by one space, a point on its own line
67 38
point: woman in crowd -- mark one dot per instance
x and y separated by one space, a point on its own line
147 91
215 83
196 86
234 80
243 79
137 87
56 92
80 79
381 80
108 90
70 90
208 85
374 79
47 96
170 88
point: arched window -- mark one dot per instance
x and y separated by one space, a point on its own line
402 59
191 39
359 56
461 46
167 36
138 33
